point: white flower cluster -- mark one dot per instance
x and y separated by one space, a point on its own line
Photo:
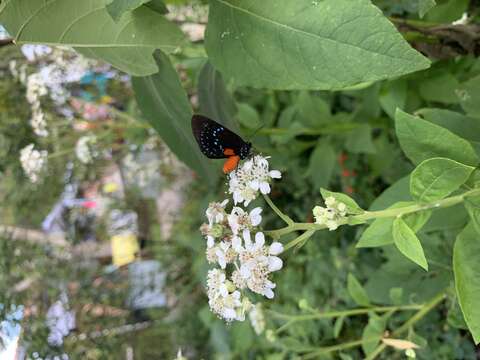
35 89
251 178
238 247
33 161
331 214
85 148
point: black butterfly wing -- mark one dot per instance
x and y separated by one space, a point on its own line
213 138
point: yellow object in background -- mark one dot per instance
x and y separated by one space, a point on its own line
124 248
110 187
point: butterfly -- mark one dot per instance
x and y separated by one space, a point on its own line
218 142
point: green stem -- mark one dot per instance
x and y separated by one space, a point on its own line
329 349
283 216
409 323
371 215
304 237
351 312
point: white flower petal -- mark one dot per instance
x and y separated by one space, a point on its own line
276 248
254 185
229 314
237 243
275 174
268 293
265 188
210 241
224 203
245 271
255 217
259 240
274 263
247 239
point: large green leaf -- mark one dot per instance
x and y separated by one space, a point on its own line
399 191
118 7
421 140
469 95
436 178
128 43
393 95
439 87
304 44
461 125
408 243
466 257
360 140
165 105
424 6
321 164
214 99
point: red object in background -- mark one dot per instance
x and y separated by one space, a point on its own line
349 190
342 158
89 204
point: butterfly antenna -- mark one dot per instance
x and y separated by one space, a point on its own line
256 131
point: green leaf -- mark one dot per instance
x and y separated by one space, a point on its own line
214 99
128 43
466 258
137 63
373 332
313 110
472 204
407 242
459 124
118 7
436 178
165 105
396 295
322 163
360 140
399 191
379 232
453 217
242 336
469 95
393 95
352 206
424 6
248 116
304 44
439 88
356 291
337 327
447 11
421 140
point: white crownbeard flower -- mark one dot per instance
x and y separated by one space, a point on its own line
257 261
38 122
251 178
257 318
223 298
33 161
35 88
85 149
238 220
216 212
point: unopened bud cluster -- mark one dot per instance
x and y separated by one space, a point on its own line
331 215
